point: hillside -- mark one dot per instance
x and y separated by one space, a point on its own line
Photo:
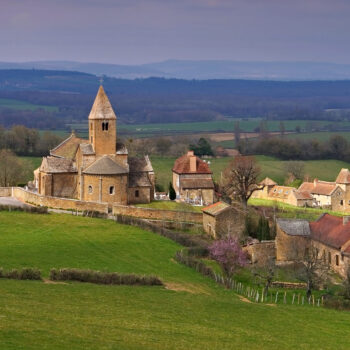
85 316
66 97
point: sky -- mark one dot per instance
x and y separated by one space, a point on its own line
144 31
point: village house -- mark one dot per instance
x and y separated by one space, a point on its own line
192 180
221 219
98 169
325 194
329 235
285 194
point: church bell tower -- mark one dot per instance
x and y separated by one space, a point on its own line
102 125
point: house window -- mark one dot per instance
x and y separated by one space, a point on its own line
90 189
111 189
329 258
137 193
341 202
337 260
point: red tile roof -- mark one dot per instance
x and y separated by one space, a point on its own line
216 208
182 166
330 230
343 177
318 187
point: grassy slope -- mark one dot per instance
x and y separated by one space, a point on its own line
84 316
23 105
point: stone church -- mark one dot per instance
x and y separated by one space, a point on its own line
98 169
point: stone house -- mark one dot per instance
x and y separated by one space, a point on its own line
285 194
221 219
97 169
329 235
192 180
326 194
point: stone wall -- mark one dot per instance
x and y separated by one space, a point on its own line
5 191
158 214
139 195
58 203
260 253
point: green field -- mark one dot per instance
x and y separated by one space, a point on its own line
246 125
190 313
274 168
23 105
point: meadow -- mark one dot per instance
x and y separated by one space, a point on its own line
6 103
190 312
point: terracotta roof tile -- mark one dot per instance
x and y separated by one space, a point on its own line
268 182
216 208
318 187
343 177
182 166
330 230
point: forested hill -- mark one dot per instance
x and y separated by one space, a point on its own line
159 100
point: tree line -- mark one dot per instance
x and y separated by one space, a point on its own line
336 147
25 141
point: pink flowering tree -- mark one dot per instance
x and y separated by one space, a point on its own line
229 254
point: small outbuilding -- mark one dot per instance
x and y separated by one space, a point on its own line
221 219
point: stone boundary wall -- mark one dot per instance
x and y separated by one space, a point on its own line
261 252
158 214
58 203
5 191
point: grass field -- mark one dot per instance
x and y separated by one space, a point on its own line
23 105
191 313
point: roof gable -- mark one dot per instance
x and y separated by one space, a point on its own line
55 165
68 147
318 187
343 177
294 227
216 208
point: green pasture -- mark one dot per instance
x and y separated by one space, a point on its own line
191 312
6 103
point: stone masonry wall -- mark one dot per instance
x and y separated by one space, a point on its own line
5 191
149 213
260 253
58 203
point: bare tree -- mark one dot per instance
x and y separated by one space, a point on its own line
295 168
266 274
314 271
239 179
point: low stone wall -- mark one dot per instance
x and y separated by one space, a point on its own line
58 203
5 191
261 252
158 214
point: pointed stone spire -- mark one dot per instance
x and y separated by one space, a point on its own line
102 108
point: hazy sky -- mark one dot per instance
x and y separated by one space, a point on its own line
142 31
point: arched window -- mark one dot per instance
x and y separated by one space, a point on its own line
106 126
103 126
137 193
111 189
90 189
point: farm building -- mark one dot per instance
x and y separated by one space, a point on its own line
329 235
221 219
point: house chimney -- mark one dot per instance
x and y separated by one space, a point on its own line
315 182
346 219
193 163
190 153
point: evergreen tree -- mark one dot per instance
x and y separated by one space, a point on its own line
172 193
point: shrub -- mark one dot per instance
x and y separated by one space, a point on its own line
26 273
99 277
172 193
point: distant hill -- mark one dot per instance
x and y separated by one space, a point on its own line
66 96
208 69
